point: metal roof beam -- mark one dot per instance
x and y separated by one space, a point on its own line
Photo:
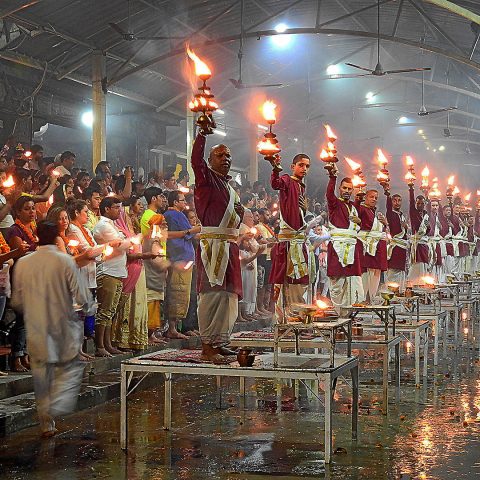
457 9
11 11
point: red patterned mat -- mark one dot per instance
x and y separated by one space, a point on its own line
268 335
185 356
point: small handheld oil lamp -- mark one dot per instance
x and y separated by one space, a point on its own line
434 193
383 175
450 188
329 155
425 187
9 182
203 101
410 176
268 146
358 179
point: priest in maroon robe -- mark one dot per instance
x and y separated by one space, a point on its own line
373 238
419 254
290 263
219 281
398 246
344 249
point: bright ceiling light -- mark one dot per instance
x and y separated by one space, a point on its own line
295 139
428 148
87 118
402 120
434 149
369 95
333 70
220 132
281 40
441 148
420 132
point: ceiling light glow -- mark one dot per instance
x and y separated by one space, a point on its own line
333 70
87 118
369 95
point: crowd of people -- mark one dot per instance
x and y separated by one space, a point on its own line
173 257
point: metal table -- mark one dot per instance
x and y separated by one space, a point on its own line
409 305
383 312
327 330
291 367
420 330
386 346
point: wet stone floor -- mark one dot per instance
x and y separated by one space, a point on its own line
431 433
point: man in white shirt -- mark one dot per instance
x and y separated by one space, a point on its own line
67 161
46 285
109 274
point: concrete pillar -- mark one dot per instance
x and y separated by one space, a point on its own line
254 156
190 124
99 109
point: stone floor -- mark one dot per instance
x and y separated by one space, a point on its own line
432 433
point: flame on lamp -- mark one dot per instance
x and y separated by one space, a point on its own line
55 173
451 180
428 280
50 199
355 166
322 305
73 243
382 159
468 196
9 182
266 145
27 154
382 176
456 191
425 172
393 285
253 231
324 154
409 176
107 251
136 240
330 134
409 160
201 68
357 181
268 112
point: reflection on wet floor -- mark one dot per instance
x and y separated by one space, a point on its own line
432 433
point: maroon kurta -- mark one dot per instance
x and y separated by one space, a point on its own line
211 200
416 218
476 230
290 190
379 261
398 260
338 215
432 219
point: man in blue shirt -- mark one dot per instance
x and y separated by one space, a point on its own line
181 254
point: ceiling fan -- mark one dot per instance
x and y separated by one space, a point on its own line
423 112
130 36
378 71
238 83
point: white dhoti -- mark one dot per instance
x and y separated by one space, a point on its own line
56 388
344 291
438 272
288 293
417 271
449 264
217 311
370 282
394 275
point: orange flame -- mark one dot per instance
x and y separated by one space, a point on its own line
9 182
267 146
268 111
425 172
381 176
409 160
73 243
409 176
456 190
428 280
322 305
324 154
107 251
358 181
330 133
382 159
451 180
201 68
355 166
478 193
253 231
50 199
468 196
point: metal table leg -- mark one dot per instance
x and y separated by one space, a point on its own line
123 409
167 415
397 371
328 417
435 341
355 383
385 379
417 357
425 352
